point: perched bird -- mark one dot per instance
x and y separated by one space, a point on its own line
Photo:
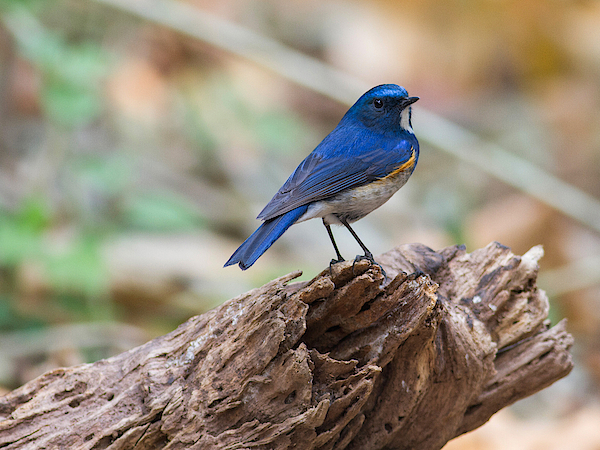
368 156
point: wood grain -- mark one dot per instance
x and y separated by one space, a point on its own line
349 360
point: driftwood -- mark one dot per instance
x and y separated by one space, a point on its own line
349 360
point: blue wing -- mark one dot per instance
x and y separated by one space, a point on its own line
319 177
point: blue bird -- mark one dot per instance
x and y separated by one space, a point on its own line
368 156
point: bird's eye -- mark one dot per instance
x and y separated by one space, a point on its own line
378 103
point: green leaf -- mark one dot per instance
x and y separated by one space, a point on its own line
70 105
71 72
21 231
78 269
160 212
34 214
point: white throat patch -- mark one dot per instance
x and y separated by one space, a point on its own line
405 120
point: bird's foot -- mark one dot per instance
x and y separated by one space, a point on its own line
369 257
334 262
418 273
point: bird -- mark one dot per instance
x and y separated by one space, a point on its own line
355 169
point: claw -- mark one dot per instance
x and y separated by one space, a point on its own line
369 257
334 262
419 273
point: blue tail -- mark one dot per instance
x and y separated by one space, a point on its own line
263 238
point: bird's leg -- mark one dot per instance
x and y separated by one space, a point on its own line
340 258
368 255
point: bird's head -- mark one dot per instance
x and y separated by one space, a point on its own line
385 108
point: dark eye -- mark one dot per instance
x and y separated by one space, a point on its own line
378 103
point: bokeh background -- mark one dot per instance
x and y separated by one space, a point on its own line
137 147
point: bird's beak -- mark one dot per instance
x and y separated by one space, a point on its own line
409 101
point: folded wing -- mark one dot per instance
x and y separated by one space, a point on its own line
318 177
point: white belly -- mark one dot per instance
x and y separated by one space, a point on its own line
356 203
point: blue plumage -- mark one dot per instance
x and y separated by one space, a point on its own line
369 155
263 238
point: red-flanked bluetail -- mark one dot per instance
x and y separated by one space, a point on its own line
369 155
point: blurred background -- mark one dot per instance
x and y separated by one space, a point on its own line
140 139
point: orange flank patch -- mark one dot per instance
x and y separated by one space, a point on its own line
408 164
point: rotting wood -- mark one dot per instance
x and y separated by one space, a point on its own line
349 360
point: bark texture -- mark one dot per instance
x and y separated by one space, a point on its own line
349 360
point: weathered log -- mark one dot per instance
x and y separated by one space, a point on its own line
349 360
